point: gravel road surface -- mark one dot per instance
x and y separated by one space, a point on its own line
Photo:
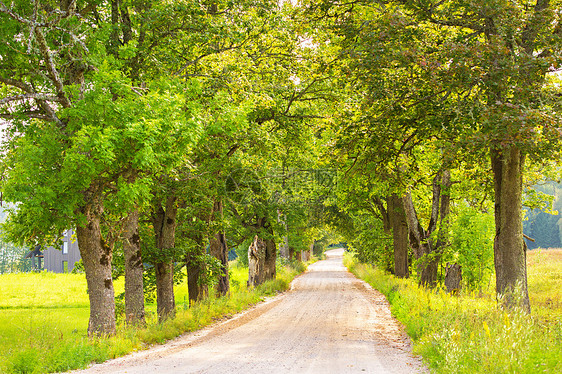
329 322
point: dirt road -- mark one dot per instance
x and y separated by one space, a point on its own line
330 322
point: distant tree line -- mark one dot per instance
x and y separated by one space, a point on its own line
545 227
12 256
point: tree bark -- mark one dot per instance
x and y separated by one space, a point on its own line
195 262
256 262
427 249
429 267
453 278
418 240
270 259
509 250
134 290
197 289
164 222
97 256
262 255
219 249
284 247
385 216
399 225
114 41
307 255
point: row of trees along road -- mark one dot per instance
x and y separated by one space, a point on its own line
432 89
153 128
160 128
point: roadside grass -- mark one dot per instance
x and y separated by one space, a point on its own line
469 333
44 319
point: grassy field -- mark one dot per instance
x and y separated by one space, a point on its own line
469 333
44 319
545 283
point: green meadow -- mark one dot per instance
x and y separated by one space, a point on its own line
469 333
44 319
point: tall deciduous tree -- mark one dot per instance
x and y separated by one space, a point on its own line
483 68
509 47
82 138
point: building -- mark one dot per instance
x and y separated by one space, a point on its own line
62 260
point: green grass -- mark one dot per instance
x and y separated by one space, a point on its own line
45 290
469 333
44 319
545 283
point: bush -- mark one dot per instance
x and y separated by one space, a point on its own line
472 246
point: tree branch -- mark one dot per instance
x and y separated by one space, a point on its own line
32 114
36 96
532 29
55 77
16 83
4 9
51 114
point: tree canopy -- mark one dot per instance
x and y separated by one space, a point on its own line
161 129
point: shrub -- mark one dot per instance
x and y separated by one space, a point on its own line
472 246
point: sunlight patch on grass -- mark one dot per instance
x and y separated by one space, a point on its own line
46 290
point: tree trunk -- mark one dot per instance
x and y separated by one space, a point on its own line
262 255
196 265
385 216
256 262
427 249
416 231
165 303
453 278
134 293
429 266
270 259
509 250
307 255
197 289
219 250
97 257
399 224
284 251
164 222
